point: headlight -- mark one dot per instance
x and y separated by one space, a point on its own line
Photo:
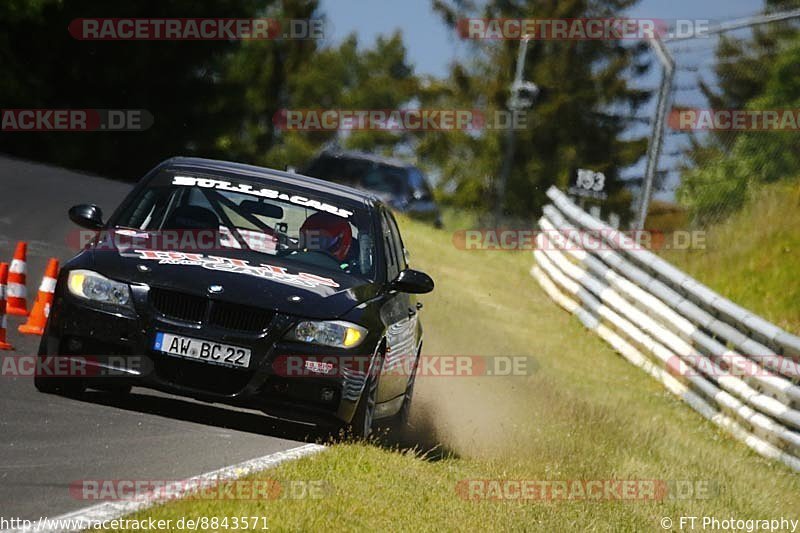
338 334
92 286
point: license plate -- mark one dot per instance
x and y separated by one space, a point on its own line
207 351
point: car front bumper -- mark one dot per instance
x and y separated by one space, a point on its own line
117 348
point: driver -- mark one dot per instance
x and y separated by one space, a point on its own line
327 233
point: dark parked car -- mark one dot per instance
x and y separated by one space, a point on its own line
404 187
299 301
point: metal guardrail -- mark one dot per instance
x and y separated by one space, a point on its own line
700 345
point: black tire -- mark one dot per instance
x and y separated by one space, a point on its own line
66 386
115 390
363 423
398 423
55 385
47 386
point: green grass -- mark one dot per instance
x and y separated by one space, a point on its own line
753 258
585 413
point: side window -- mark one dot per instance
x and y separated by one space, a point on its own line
400 250
392 262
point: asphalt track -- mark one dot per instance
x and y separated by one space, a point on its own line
48 441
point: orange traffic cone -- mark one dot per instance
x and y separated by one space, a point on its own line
3 321
41 308
17 294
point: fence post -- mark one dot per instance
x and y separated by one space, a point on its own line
657 136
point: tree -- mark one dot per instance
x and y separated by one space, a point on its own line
346 77
760 73
741 68
584 106
178 82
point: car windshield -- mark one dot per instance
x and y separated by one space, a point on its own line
385 179
253 216
377 177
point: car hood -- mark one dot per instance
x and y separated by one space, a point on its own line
239 276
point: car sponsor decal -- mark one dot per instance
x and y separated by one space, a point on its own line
319 367
245 188
236 266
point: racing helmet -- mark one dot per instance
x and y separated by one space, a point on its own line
327 233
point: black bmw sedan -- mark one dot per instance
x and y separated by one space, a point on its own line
243 285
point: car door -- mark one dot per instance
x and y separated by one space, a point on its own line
411 299
399 316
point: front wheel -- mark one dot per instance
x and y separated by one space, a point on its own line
66 386
114 390
362 425
399 422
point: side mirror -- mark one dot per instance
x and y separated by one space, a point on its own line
412 282
87 216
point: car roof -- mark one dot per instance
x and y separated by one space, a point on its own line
364 156
276 176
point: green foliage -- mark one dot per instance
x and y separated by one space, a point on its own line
208 98
577 120
221 99
752 257
179 83
345 77
721 184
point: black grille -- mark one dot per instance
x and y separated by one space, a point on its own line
179 306
239 317
226 315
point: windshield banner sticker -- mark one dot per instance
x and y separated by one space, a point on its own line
236 266
244 188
